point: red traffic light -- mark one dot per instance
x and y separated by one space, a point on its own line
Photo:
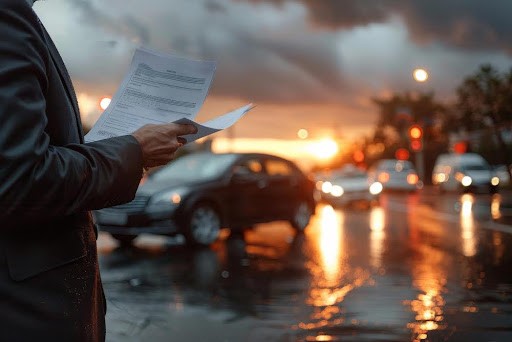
416 145
358 156
402 154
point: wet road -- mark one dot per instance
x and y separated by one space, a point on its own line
419 267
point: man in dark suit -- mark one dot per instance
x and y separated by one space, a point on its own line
50 287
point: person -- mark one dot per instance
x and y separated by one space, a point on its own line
50 286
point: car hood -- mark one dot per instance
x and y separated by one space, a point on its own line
479 176
150 188
352 184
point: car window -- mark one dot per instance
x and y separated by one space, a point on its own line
278 168
474 167
352 174
398 166
250 166
195 167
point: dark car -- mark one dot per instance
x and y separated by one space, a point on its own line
198 194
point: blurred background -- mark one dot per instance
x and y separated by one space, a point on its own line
398 115
330 78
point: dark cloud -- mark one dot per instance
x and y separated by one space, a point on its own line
126 26
275 70
467 24
332 54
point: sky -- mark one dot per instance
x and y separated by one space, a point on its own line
306 64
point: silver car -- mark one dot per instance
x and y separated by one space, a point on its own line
395 174
349 185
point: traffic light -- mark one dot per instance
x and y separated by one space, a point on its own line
402 154
415 138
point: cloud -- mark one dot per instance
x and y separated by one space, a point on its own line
466 24
264 53
286 55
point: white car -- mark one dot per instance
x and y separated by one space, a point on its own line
349 185
466 172
395 174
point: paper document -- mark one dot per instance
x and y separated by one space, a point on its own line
215 125
161 88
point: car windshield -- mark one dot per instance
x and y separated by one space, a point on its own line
195 167
475 167
397 166
351 174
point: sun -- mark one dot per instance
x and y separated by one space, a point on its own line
324 149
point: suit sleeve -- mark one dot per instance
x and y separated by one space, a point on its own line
39 181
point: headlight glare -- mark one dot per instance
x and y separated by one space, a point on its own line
168 198
466 181
337 191
376 188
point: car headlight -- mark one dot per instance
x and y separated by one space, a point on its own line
495 181
166 199
326 187
376 188
466 181
337 191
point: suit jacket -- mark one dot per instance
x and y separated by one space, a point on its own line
50 289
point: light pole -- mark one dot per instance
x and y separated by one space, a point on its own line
416 145
420 75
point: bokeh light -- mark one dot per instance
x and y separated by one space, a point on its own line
420 75
105 102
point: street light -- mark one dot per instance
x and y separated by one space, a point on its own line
303 133
420 75
105 102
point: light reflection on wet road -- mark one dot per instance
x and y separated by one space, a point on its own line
417 268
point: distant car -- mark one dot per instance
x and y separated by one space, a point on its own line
198 194
349 185
395 174
466 172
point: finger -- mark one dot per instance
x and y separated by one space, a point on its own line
181 141
180 129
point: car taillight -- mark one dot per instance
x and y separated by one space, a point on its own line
383 177
412 178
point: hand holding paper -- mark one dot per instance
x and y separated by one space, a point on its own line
214 125
158 89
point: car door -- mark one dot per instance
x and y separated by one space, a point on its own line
249 192
284 187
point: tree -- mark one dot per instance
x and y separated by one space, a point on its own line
485 103
398 112
401 111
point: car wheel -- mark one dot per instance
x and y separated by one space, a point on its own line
124 240
301 216
203 225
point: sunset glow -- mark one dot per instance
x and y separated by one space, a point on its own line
324 149
305 152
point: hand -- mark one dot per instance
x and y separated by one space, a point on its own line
160 142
